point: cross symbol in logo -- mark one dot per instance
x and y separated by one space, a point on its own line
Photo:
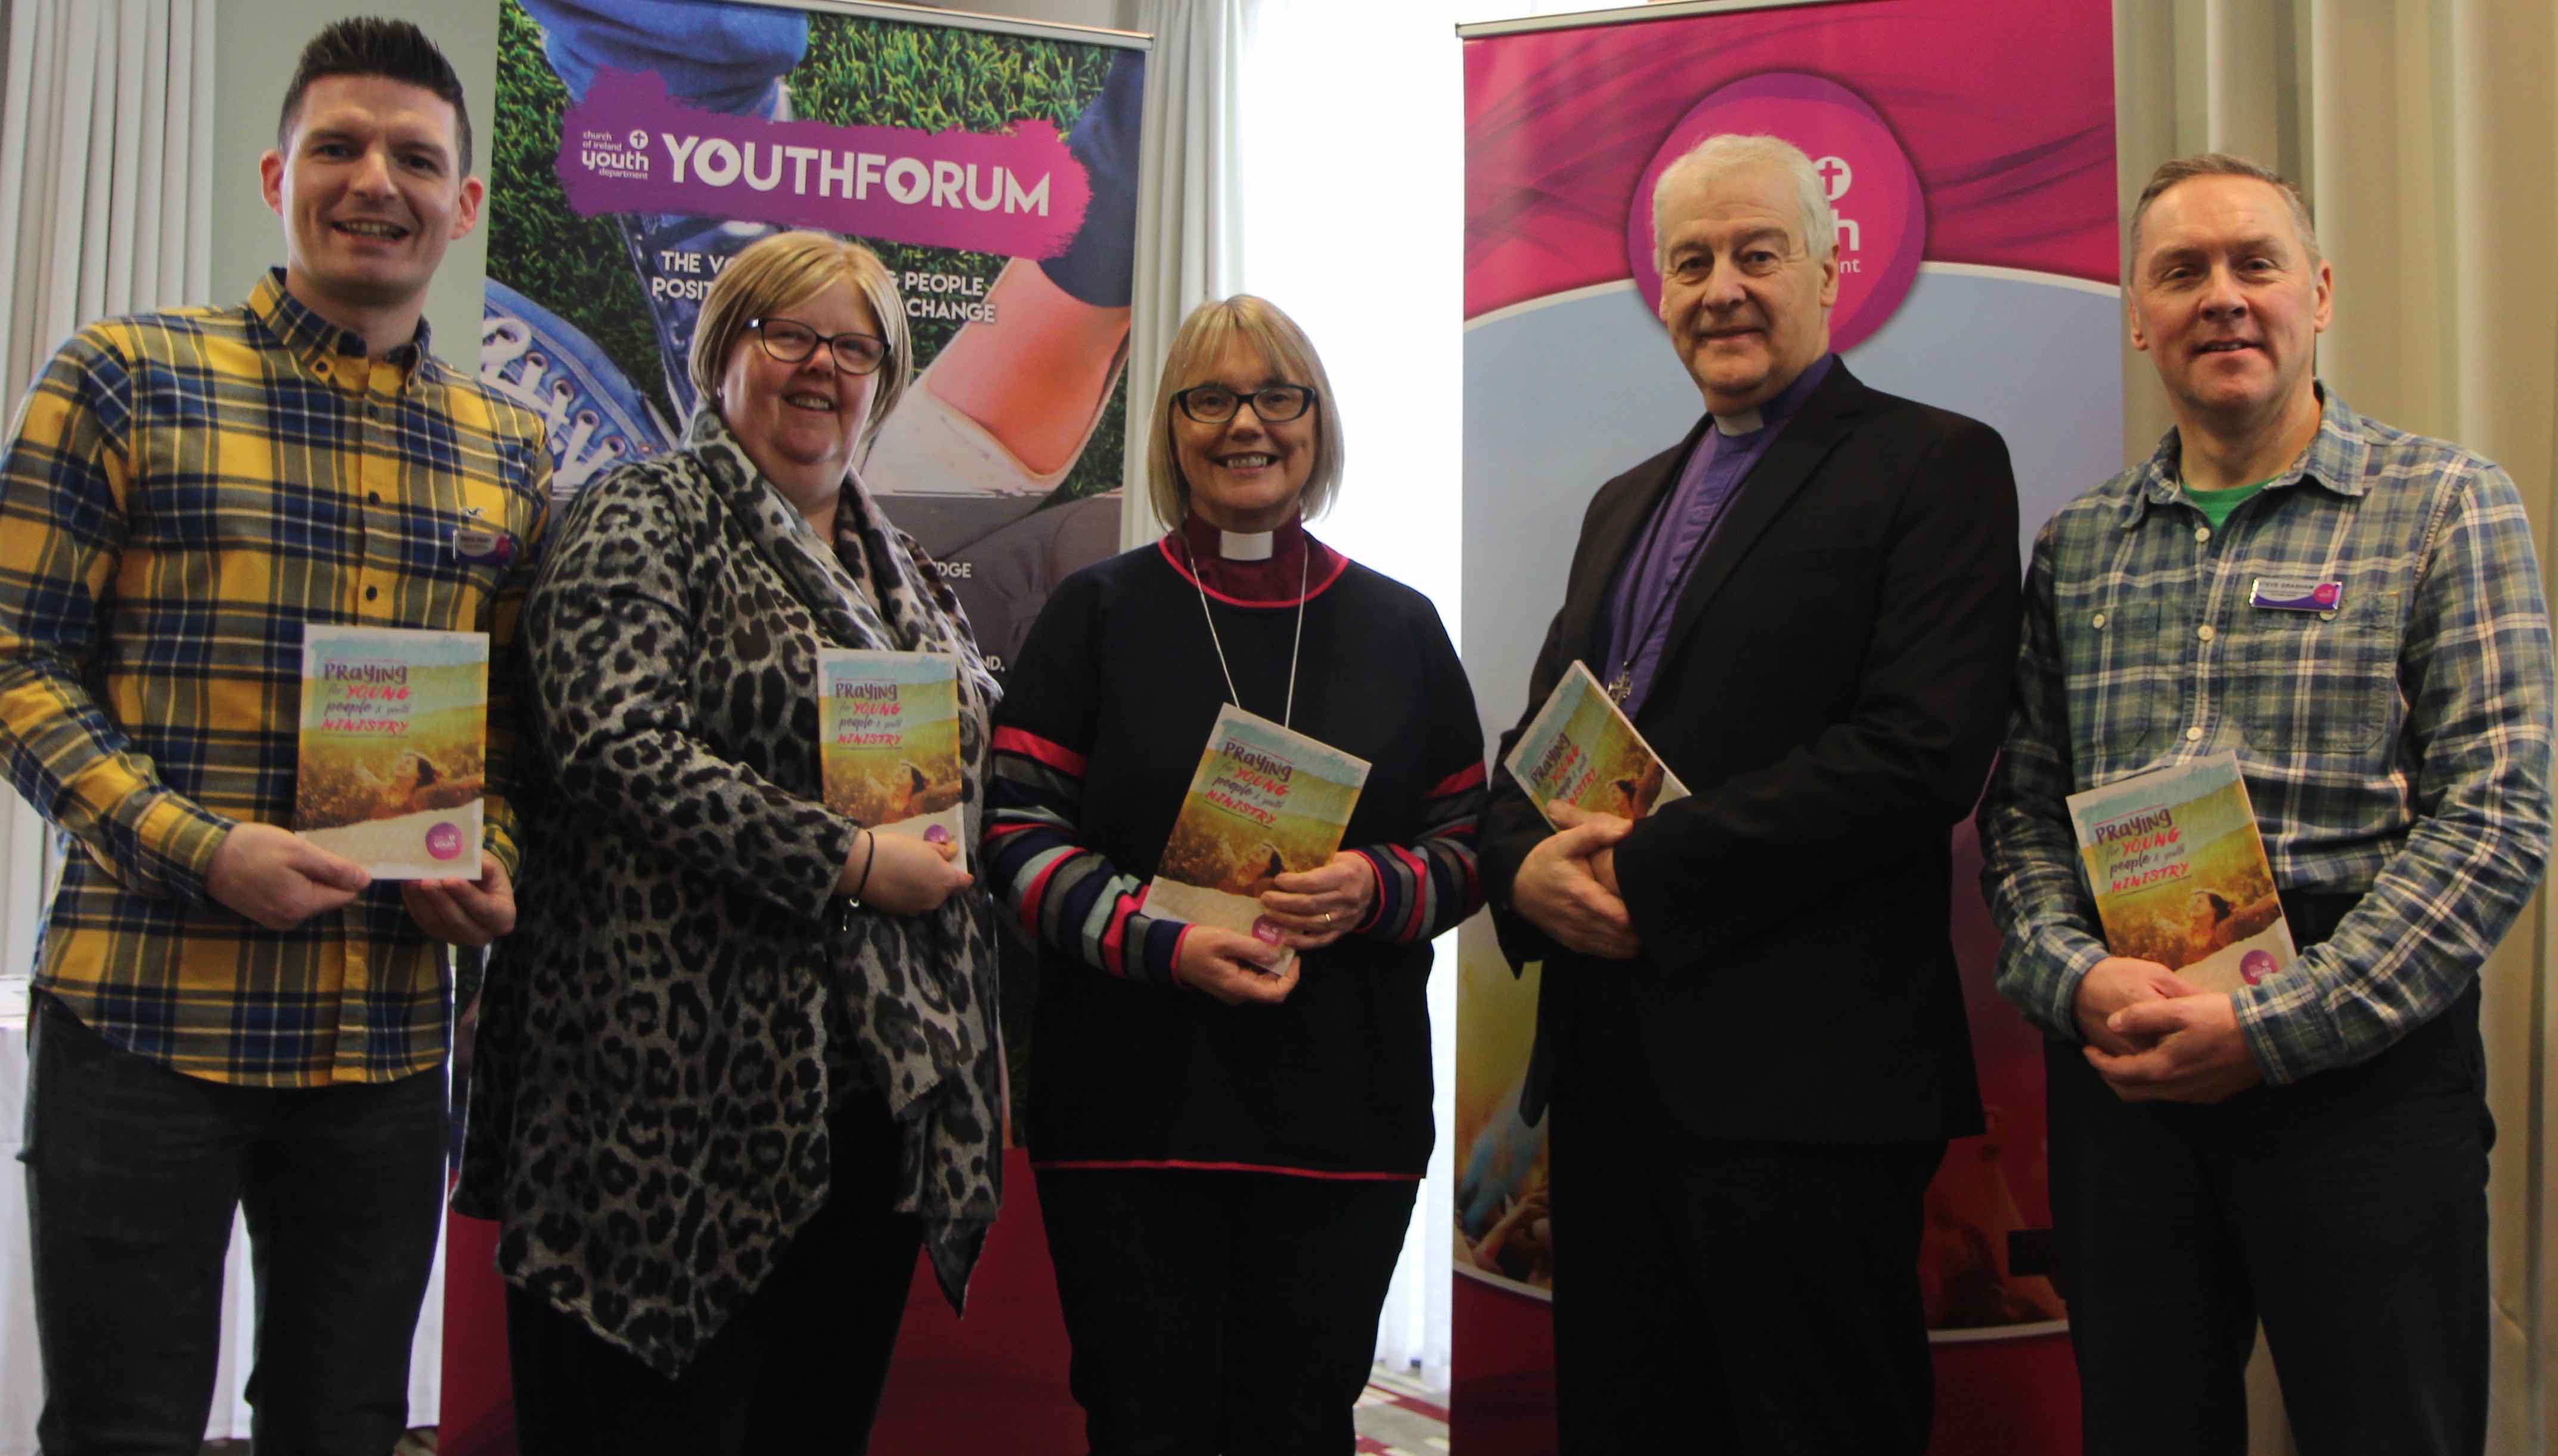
1836 176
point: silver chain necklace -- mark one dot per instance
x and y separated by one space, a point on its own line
1305 564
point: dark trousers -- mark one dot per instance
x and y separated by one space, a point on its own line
1744 1297
133 1171
799 1368
2348 1211
1215 1311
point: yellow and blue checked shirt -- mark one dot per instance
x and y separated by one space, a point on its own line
183 493
2396 749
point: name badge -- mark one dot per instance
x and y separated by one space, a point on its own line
2295 594
476 541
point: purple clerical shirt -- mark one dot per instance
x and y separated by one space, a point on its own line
1647 586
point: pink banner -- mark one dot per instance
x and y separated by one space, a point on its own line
2006 120
628 146
1967 150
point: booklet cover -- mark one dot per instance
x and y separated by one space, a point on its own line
394 727
1583 749
889 742
2180 874
1266 801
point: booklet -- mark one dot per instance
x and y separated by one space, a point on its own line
1266 801
1583 749
889 742
394 729
2180 874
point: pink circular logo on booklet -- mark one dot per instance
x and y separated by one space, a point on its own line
444 841
2324 596
1265 930
2255 966
1872 186
936 833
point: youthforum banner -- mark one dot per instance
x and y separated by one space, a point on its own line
1968 149
640 144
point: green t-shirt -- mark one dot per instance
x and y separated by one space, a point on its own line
2217 505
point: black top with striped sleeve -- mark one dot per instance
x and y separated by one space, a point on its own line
1103 720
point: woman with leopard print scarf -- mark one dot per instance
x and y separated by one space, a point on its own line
739 1056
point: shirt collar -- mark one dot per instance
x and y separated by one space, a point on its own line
1778 407
315 341
2337 457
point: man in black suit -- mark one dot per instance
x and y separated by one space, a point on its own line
1748 1023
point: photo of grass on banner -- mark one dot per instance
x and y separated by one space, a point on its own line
641 144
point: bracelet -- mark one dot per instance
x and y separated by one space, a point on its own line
864 883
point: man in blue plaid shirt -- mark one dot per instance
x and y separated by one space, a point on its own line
2357 612
228 1016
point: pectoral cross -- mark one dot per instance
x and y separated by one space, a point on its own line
1621 686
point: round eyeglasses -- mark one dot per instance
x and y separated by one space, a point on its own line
792 342
1274 404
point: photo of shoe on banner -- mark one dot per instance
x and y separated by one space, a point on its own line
642 144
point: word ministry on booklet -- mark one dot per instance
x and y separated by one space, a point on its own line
2180 876
1582 749
393 753
1266 801
888 735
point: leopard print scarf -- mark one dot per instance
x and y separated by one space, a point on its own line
917 991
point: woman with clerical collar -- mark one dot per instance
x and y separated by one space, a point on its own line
1228 1137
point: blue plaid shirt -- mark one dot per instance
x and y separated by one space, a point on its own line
2396 749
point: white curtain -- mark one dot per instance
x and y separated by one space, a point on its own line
106 178
1190 234
2427 136
105 170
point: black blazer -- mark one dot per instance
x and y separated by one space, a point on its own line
1832 692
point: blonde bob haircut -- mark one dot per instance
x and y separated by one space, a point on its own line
1291 357
774 274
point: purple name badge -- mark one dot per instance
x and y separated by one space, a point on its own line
2295 594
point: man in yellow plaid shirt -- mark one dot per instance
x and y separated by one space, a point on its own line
226 1015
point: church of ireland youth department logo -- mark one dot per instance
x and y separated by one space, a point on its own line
606 153
1872 186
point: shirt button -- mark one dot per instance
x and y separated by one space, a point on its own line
372 592
2202 533
2097 621
2204 631
2193 736
374 496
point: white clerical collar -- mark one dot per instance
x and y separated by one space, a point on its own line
1245 545
1747 421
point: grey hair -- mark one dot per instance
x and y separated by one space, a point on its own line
1728 151
2214 164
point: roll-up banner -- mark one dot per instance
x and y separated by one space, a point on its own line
636 148
1968 149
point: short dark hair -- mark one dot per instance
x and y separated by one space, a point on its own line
372 46
2177 169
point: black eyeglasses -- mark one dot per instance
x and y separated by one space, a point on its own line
1272 404
792 342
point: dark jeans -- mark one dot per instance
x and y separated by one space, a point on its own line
2348 1211
798 1368
1215 1311
133 1173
